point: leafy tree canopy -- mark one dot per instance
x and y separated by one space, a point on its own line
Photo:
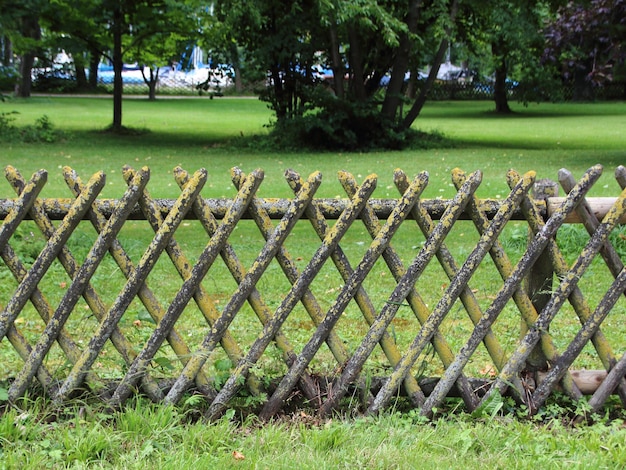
146 31
587 40
344 74
325 60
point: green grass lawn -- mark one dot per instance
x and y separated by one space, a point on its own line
197 133
160 437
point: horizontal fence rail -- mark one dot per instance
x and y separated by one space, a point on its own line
333 304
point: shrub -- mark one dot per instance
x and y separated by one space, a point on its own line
42 131
54 83
345 125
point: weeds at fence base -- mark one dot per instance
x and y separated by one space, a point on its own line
245 407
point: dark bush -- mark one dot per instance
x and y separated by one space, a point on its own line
350 126
54 83
8 78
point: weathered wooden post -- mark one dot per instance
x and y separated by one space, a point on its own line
540 279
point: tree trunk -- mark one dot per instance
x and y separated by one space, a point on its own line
79 68
7 51
94 61
393 96
25 83
238 78
356 63
118 65
151 81
412 86
337 64
438 59
30 29
499 87
234 53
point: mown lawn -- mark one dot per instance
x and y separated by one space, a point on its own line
197 133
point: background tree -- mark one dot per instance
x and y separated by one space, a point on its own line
20 24
587 40
219 36
506 37
80 27
119 29
361 43
158 51
133 24
449 22
281 36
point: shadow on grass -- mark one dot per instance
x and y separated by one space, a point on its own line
152 139
261 144
124 131
463 110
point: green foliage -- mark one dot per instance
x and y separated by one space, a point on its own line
491 407
223 369
51 83
618 240
349 126
572 239
42 131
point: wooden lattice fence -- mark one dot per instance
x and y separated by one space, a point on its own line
411 309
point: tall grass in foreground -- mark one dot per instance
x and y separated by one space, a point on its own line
146 435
